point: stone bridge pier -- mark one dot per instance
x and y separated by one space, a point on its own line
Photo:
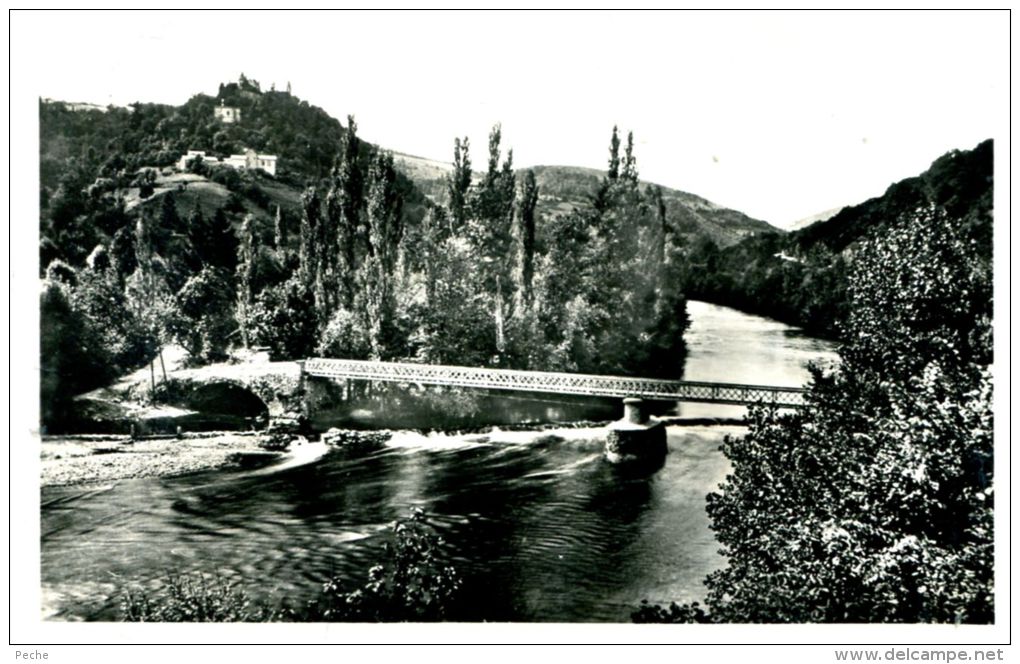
635 437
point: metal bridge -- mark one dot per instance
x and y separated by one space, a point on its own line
555 383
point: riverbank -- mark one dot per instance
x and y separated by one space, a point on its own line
89 460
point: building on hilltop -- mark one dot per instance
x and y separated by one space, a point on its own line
249 161
227 114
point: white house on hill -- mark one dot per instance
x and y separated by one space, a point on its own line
250 160
227 114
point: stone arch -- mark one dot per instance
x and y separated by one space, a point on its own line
227 397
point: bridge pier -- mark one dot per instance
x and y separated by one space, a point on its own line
315 393
635 437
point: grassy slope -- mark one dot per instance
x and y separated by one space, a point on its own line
194 191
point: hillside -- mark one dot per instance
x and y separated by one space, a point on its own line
564 188
810 290
304 137
959 181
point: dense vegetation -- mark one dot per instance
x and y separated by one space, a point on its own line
801 277
358 264
876 503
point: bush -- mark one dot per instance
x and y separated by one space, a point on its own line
195 598
415 587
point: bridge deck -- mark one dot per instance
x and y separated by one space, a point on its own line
555 383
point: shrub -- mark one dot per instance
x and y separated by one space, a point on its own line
415 587
194 598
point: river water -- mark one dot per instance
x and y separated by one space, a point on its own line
539 525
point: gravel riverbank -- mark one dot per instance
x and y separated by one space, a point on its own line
85 460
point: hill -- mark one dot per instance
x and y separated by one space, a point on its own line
565 188
800 277
959 181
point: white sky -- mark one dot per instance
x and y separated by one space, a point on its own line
777 115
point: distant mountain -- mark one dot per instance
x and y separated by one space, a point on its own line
815 218
564 188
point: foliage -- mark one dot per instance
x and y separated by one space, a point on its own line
875 504
214 240
283 318
345 337
416 586
73 358
125 338
202 319
195 598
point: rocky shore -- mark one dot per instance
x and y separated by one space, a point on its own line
87 460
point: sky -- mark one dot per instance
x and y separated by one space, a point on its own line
778 115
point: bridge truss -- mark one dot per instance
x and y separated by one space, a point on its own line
555 383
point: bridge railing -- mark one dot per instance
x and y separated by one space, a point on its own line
555 383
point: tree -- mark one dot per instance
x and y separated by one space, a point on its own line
630 174
524 242
875 504
202 318
489 228
100 298
614 155
344 203
309 227
246 274
148 293
73 358
384 210
279 231
283 318
214 240
458 183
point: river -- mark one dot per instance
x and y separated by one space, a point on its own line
540 526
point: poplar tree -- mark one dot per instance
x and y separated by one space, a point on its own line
344 203
385 229
246 257
458 184
309 225
614 155
280 231
630 174
524 239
